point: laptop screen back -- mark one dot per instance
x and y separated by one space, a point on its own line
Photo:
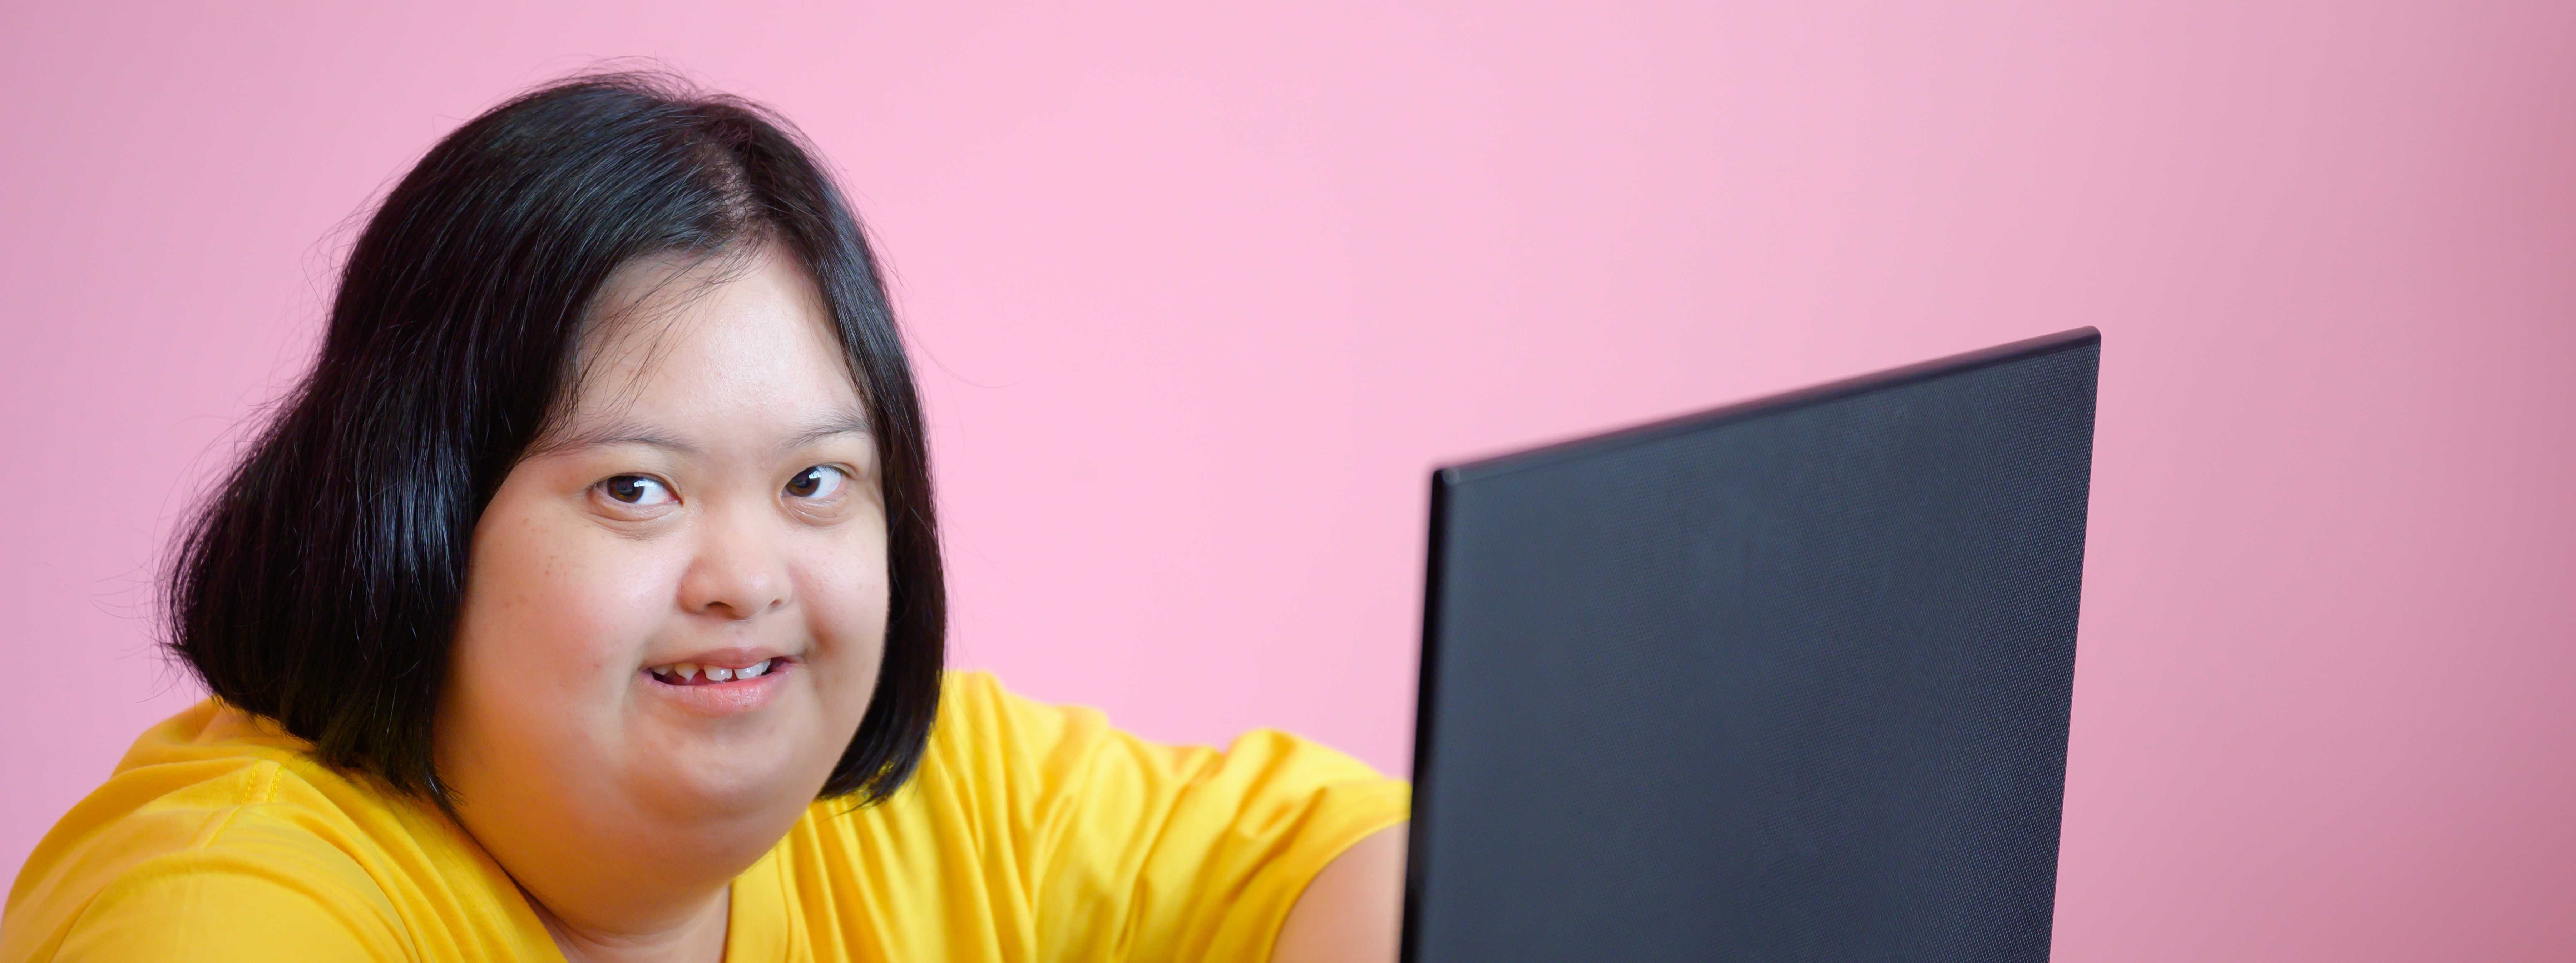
1786 680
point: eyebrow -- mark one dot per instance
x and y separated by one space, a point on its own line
633 433
840 423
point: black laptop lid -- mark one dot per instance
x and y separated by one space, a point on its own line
1786 680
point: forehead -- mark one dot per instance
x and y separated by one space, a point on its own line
729 342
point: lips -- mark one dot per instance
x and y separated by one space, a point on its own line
717 684
692 673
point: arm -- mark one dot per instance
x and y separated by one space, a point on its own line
1354 910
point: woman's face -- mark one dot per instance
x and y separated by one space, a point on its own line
676 604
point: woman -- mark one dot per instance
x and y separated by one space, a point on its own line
586 600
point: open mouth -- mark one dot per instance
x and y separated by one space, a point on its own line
693 674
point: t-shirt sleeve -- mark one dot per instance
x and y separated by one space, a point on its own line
227 905
1134 850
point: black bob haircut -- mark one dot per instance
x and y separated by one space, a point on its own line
319 585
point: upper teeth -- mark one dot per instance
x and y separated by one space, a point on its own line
686 671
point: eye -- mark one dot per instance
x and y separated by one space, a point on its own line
637 490
820 481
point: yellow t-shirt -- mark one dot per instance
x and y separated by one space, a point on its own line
1030 832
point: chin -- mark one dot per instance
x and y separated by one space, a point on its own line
721 787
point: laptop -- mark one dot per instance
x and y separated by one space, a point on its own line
1781 680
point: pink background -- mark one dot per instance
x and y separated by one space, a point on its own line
1199 297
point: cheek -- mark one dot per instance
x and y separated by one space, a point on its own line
843 588
551 608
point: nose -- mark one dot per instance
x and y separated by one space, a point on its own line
739 570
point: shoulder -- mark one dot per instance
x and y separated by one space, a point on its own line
981 742
218 834
999 756
229 900
1003 752
990 735
997 764
977 715
1044 822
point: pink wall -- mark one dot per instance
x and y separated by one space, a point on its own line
1199 297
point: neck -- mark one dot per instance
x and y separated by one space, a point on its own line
604 903
694 936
